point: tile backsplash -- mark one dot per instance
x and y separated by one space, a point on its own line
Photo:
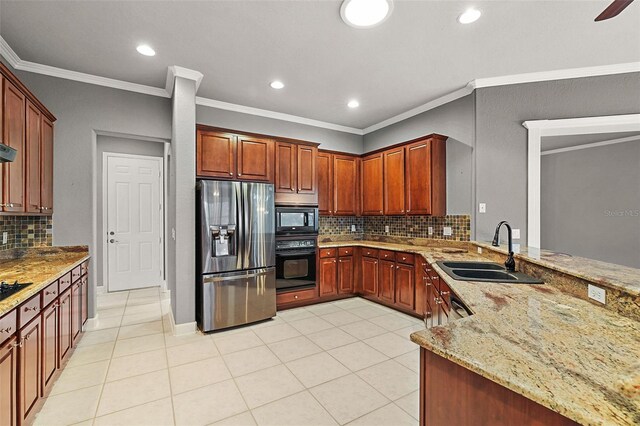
399 226
25 231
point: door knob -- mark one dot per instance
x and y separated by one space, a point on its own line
111 233
112 241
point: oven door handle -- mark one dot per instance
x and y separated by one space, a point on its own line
296 253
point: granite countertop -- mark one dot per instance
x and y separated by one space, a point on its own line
41 266
577 359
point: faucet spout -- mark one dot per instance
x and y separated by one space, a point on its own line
510 263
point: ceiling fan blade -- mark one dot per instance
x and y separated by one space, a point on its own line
613 9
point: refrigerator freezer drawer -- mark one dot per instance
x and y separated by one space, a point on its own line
237 298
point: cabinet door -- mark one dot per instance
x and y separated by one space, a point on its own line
8 382
64 325
215 154
372 185
345 179
394 182
76 310
30 375
32 161
405 285
85 300
255 159
324 164
14 136
418 175
369 276
50 338
307 179
328 277
285 167
345 275
46 165
387 275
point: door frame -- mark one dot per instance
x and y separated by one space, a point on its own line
161 222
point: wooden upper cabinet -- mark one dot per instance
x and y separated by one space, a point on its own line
215 154
285 167
345 181
307 179
255 159
14 136
324 165
394 181
33 135
426 177
372 185
46 165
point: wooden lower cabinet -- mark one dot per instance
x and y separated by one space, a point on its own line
50 344
387 281
30 364
328 277
346 275
369 275
65 316
76 310
84 308
9 382
405 285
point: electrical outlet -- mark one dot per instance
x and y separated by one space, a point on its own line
447 231
353 228
515 234
482 208
596 293
479 250
430 230
5 235
386 229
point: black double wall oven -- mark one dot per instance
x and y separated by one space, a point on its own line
296 245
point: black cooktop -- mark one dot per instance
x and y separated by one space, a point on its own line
7 289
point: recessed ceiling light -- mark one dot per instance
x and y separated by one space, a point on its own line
365 13
469 16
353 104
276 84
146 50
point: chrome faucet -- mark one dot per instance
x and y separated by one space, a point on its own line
510 264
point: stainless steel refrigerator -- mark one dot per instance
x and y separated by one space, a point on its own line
236 253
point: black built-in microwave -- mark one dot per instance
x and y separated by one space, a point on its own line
296 220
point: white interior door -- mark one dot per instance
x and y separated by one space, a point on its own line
134 235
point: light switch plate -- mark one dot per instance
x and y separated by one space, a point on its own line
4 237
353 228
479 250
430 230
386 229
516 234
596 293
482 208
447 231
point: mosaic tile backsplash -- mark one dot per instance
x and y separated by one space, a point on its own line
26 231
399 226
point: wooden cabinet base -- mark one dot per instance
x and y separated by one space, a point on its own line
471 399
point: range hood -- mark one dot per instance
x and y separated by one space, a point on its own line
7 154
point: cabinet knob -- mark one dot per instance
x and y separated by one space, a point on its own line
295 296
334 261
380 211
27 309
435 278
404 258
397 267
239 174
444 293
408 210
230 173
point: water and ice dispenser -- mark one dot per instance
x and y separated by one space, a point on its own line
223 240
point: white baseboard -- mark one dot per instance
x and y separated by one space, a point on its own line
91 323
101 289
179 329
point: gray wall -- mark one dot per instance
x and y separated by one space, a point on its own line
578 189
328 139
121 146
501 140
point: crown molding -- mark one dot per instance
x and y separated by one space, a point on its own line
275 115
175 71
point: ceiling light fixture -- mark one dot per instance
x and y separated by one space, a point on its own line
276 84
365 13
146 50
353 104
469 16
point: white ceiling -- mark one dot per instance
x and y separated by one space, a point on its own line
418 54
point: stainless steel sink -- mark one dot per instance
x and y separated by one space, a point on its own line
485 272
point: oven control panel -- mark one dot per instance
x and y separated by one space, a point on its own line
295 244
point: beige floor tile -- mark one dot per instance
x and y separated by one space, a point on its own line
411 360
138 344
156 413
84 376
127 393
184 354
290 349
267 323
111 312
134 365
102 323
348 398
341 318
229 343
242 419
389 415
411 404
351 303
367 312
276 333
311 325
391 344
295 410
250 360
87 354
268 385
357 356
209 404
142 300
406 331
142 317
295 314
363 329
316 369
144 292
198 374
150 308
100 336
171 340
323 308
137 330
331 338
70 407
112 300
391 379
390 322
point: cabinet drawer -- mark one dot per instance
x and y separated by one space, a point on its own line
8 326
28 310
295 296
65 282
50 293
405 258
76 273
345 251
327 252
387 255
84 268
369 252
445 295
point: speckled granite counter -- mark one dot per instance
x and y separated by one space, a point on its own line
575 358
41 266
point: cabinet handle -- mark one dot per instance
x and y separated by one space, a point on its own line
6 330
438 300
47 293
27 309
18 344
444 293
428 284
435 278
